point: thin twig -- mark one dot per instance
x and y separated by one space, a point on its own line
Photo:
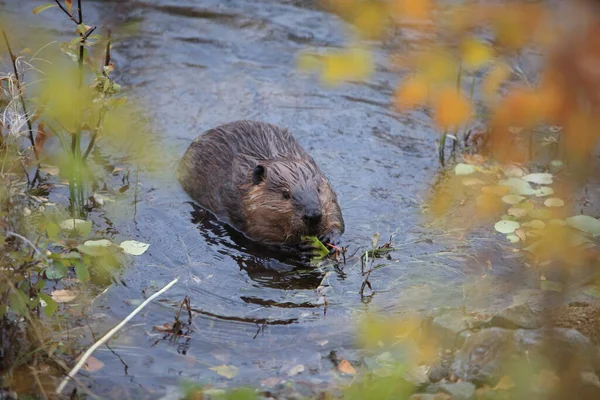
106 337
66 12
27 241
13 59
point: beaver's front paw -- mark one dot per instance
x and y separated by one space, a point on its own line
311 248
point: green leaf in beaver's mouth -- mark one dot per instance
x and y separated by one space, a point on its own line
322 251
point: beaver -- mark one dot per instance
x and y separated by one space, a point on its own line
255 177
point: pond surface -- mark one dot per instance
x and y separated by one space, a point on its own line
200 63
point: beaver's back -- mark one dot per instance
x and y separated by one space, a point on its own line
219 160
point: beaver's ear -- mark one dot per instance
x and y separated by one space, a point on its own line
259 174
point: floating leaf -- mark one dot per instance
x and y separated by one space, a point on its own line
92 364
519 186
506 226
50 306
464 169
134 248
296 370
63 295
585 223
512 199
513 238
97 247
99 243
42 8
72 224
517 212
556 163
512 171
228 371
539 178
346 368
554 202
544 191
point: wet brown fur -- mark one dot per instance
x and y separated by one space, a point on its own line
217 172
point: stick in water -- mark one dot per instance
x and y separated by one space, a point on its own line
106 337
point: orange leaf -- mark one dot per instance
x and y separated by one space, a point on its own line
452 109
93 364
346 368
69 4
412 93
499 73
414 9
40 138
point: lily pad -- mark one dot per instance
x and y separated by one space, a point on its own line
541 178
554 202
464 169
512 199
134 247
518 186
506 226
585 223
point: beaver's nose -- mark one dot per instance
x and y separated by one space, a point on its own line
312 218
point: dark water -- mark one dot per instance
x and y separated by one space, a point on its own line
200 63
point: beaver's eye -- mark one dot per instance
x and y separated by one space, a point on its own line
286 194
319 189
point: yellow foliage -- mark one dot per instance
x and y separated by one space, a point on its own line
370 18
452 109
413 92
308 62
436 66
475 53
352 64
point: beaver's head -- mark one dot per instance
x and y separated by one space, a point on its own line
287 199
